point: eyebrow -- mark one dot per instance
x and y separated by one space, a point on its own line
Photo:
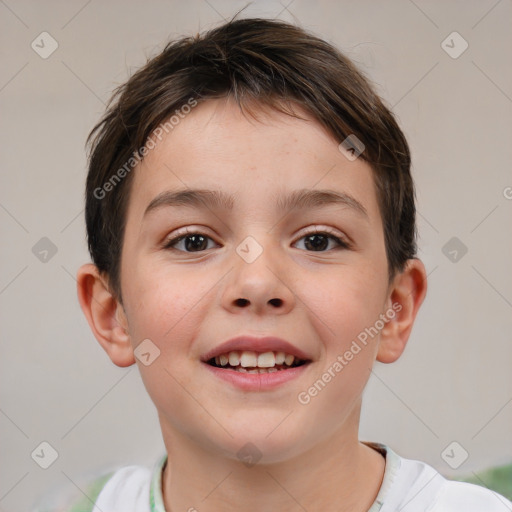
215 199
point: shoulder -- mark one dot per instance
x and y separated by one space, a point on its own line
469 498
123 490
127 490
423 488
414 486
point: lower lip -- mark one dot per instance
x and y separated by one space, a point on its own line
257 381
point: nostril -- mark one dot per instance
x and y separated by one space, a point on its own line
274 302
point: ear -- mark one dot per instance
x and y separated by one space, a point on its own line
407 291
105 315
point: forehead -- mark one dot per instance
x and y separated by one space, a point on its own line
255 161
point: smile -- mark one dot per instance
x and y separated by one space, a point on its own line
253 362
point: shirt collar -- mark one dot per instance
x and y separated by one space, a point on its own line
393 463
156 498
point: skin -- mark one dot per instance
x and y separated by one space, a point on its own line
187 303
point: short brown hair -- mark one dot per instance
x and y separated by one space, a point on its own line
257 62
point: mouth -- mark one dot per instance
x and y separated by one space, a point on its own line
247 361
256 364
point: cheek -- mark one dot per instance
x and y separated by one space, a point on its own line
167 305
347 310
350 306
164 307
159 296
344 301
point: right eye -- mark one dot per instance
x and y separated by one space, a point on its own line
189 242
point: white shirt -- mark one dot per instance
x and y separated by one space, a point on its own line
407 486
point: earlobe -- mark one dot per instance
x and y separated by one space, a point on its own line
105 315
407 293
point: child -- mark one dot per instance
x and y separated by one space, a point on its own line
216 172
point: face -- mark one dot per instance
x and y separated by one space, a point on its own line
196 273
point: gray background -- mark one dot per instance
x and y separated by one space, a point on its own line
454 381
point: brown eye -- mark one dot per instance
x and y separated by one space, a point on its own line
321 242
193 242
316 242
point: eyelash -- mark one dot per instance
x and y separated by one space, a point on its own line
342 244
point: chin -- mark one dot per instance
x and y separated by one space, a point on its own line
255 446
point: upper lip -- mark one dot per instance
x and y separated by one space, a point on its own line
254 344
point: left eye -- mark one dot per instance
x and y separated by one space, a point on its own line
319 241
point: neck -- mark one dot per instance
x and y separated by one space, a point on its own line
339 470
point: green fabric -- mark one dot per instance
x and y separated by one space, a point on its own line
156 500
86 503
498 479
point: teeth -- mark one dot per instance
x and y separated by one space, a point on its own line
248 359
234 358
280 357
265 361
241 369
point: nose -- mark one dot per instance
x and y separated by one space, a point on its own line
258 285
